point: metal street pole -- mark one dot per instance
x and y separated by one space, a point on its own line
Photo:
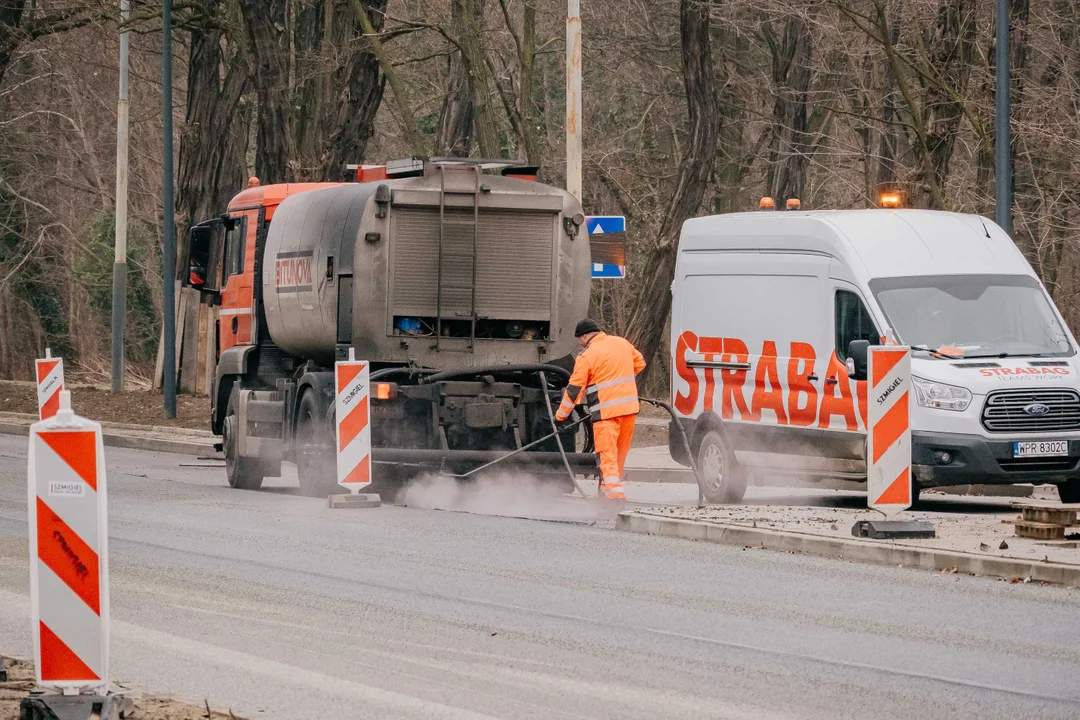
1002 132
119 289
168 275
573 98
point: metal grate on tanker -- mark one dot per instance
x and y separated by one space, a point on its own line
1007 411
514 263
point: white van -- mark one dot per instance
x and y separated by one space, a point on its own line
769 307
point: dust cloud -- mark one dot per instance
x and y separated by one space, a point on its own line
507 494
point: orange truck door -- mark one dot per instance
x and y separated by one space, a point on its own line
236 312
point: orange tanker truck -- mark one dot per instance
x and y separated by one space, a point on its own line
460 281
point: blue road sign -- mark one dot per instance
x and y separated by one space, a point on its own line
597 224
599 270
603 225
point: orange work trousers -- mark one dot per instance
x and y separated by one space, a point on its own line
611 438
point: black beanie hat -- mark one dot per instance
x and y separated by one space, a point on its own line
585 327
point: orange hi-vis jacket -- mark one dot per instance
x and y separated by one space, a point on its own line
604 373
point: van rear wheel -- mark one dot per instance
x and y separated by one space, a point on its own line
722 480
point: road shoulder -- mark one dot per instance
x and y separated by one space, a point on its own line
883 552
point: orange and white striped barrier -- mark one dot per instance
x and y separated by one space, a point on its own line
69 571
888 442
353 412
50 381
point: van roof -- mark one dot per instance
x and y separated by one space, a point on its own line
883 243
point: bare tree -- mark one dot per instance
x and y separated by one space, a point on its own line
650 308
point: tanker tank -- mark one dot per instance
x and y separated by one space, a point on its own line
455 269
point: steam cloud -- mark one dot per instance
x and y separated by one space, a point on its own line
507 494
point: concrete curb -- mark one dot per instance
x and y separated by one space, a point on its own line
849 549
131 442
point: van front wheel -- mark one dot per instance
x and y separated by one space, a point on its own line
1069 492
722 480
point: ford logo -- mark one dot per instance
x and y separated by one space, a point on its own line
1036 409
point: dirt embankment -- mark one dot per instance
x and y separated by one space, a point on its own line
147 707
138 407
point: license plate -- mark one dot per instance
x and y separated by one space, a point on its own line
1040 448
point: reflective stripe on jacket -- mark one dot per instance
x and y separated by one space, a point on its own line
604 374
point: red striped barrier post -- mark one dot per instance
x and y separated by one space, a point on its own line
353 432
888 459
50 381
69 571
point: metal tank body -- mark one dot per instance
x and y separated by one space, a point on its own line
310 232
383 266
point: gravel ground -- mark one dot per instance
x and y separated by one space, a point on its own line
138 407
147 707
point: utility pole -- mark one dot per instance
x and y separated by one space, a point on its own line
168 275
119 285
573 98
1003 175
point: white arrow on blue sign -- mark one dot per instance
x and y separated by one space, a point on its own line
602 225
598 224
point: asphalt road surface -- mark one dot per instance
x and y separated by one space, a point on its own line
278 607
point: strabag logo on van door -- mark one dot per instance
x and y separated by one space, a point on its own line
772 394
292 272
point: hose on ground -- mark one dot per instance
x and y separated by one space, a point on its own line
686 444
558 440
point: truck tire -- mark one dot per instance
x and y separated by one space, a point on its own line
722 480
242 473
1069 492
315 461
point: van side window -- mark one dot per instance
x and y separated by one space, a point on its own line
235 237
853 322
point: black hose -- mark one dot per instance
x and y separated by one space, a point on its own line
521 449
686 444
558 440
387 372
496 370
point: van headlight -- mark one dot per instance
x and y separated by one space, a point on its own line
931 394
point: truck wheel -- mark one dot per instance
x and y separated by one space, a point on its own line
1069 492
315 461
243 473
722 480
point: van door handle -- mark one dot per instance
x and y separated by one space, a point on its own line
831 381
812 378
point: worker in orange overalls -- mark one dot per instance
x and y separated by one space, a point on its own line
604 374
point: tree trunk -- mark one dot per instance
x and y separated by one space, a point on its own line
889 139
949 48
359 90
652 305
10 32
213 144
470 23
528 83
267 28
454 136
786 175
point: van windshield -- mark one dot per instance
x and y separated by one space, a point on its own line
973 315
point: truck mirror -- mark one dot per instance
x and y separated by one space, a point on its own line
858 352
204 244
